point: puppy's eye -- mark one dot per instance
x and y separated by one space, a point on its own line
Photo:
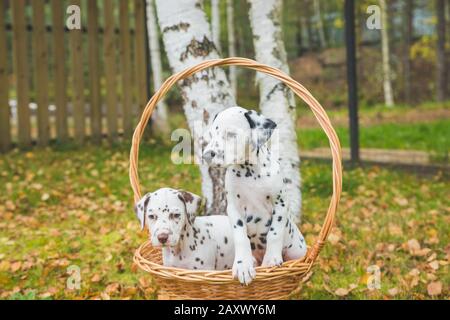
152 216
174 216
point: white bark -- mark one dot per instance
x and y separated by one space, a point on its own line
215 23
277 101
187 39
387 82
323 42
231 44
159 118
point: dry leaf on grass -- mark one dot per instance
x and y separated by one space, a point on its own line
393 291
395 230
334 238
341 292
403 202
413 245
16 266
434 265
112 288
96 278
434 288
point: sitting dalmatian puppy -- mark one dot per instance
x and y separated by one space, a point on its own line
257 208
187 241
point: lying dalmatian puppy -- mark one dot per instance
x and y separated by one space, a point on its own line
257 207
189 242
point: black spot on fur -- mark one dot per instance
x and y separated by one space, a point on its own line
249 119
240 223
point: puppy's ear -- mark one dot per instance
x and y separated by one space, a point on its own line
193 203
140 209
261 127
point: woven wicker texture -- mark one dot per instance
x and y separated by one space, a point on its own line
270 283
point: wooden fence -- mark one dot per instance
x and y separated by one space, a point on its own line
60 84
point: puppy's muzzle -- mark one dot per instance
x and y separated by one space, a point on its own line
162 237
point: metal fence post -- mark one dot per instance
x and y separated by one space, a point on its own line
352 79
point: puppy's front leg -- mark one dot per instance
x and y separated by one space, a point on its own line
244 263
275 235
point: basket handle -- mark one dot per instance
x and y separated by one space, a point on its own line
297 88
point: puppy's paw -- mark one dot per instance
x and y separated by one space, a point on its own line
244 270
272 260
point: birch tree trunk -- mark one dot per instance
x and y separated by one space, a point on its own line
215 21
323 42
408 24
231 45
277 101
441 57
187 40
159 118
387 82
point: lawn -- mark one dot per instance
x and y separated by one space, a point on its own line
65 207
432 137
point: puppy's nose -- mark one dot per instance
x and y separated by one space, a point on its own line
208 155
163 237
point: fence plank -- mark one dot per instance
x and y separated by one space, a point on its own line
21 70
141 63
60 70
5 126
94 71
77 75
125 62
110 69
41 72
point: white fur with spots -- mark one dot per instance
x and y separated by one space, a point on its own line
263 229
187 241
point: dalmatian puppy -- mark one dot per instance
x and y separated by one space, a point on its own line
187 241
257 206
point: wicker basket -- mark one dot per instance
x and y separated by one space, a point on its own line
270 283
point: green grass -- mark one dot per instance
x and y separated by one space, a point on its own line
62 206
433 137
